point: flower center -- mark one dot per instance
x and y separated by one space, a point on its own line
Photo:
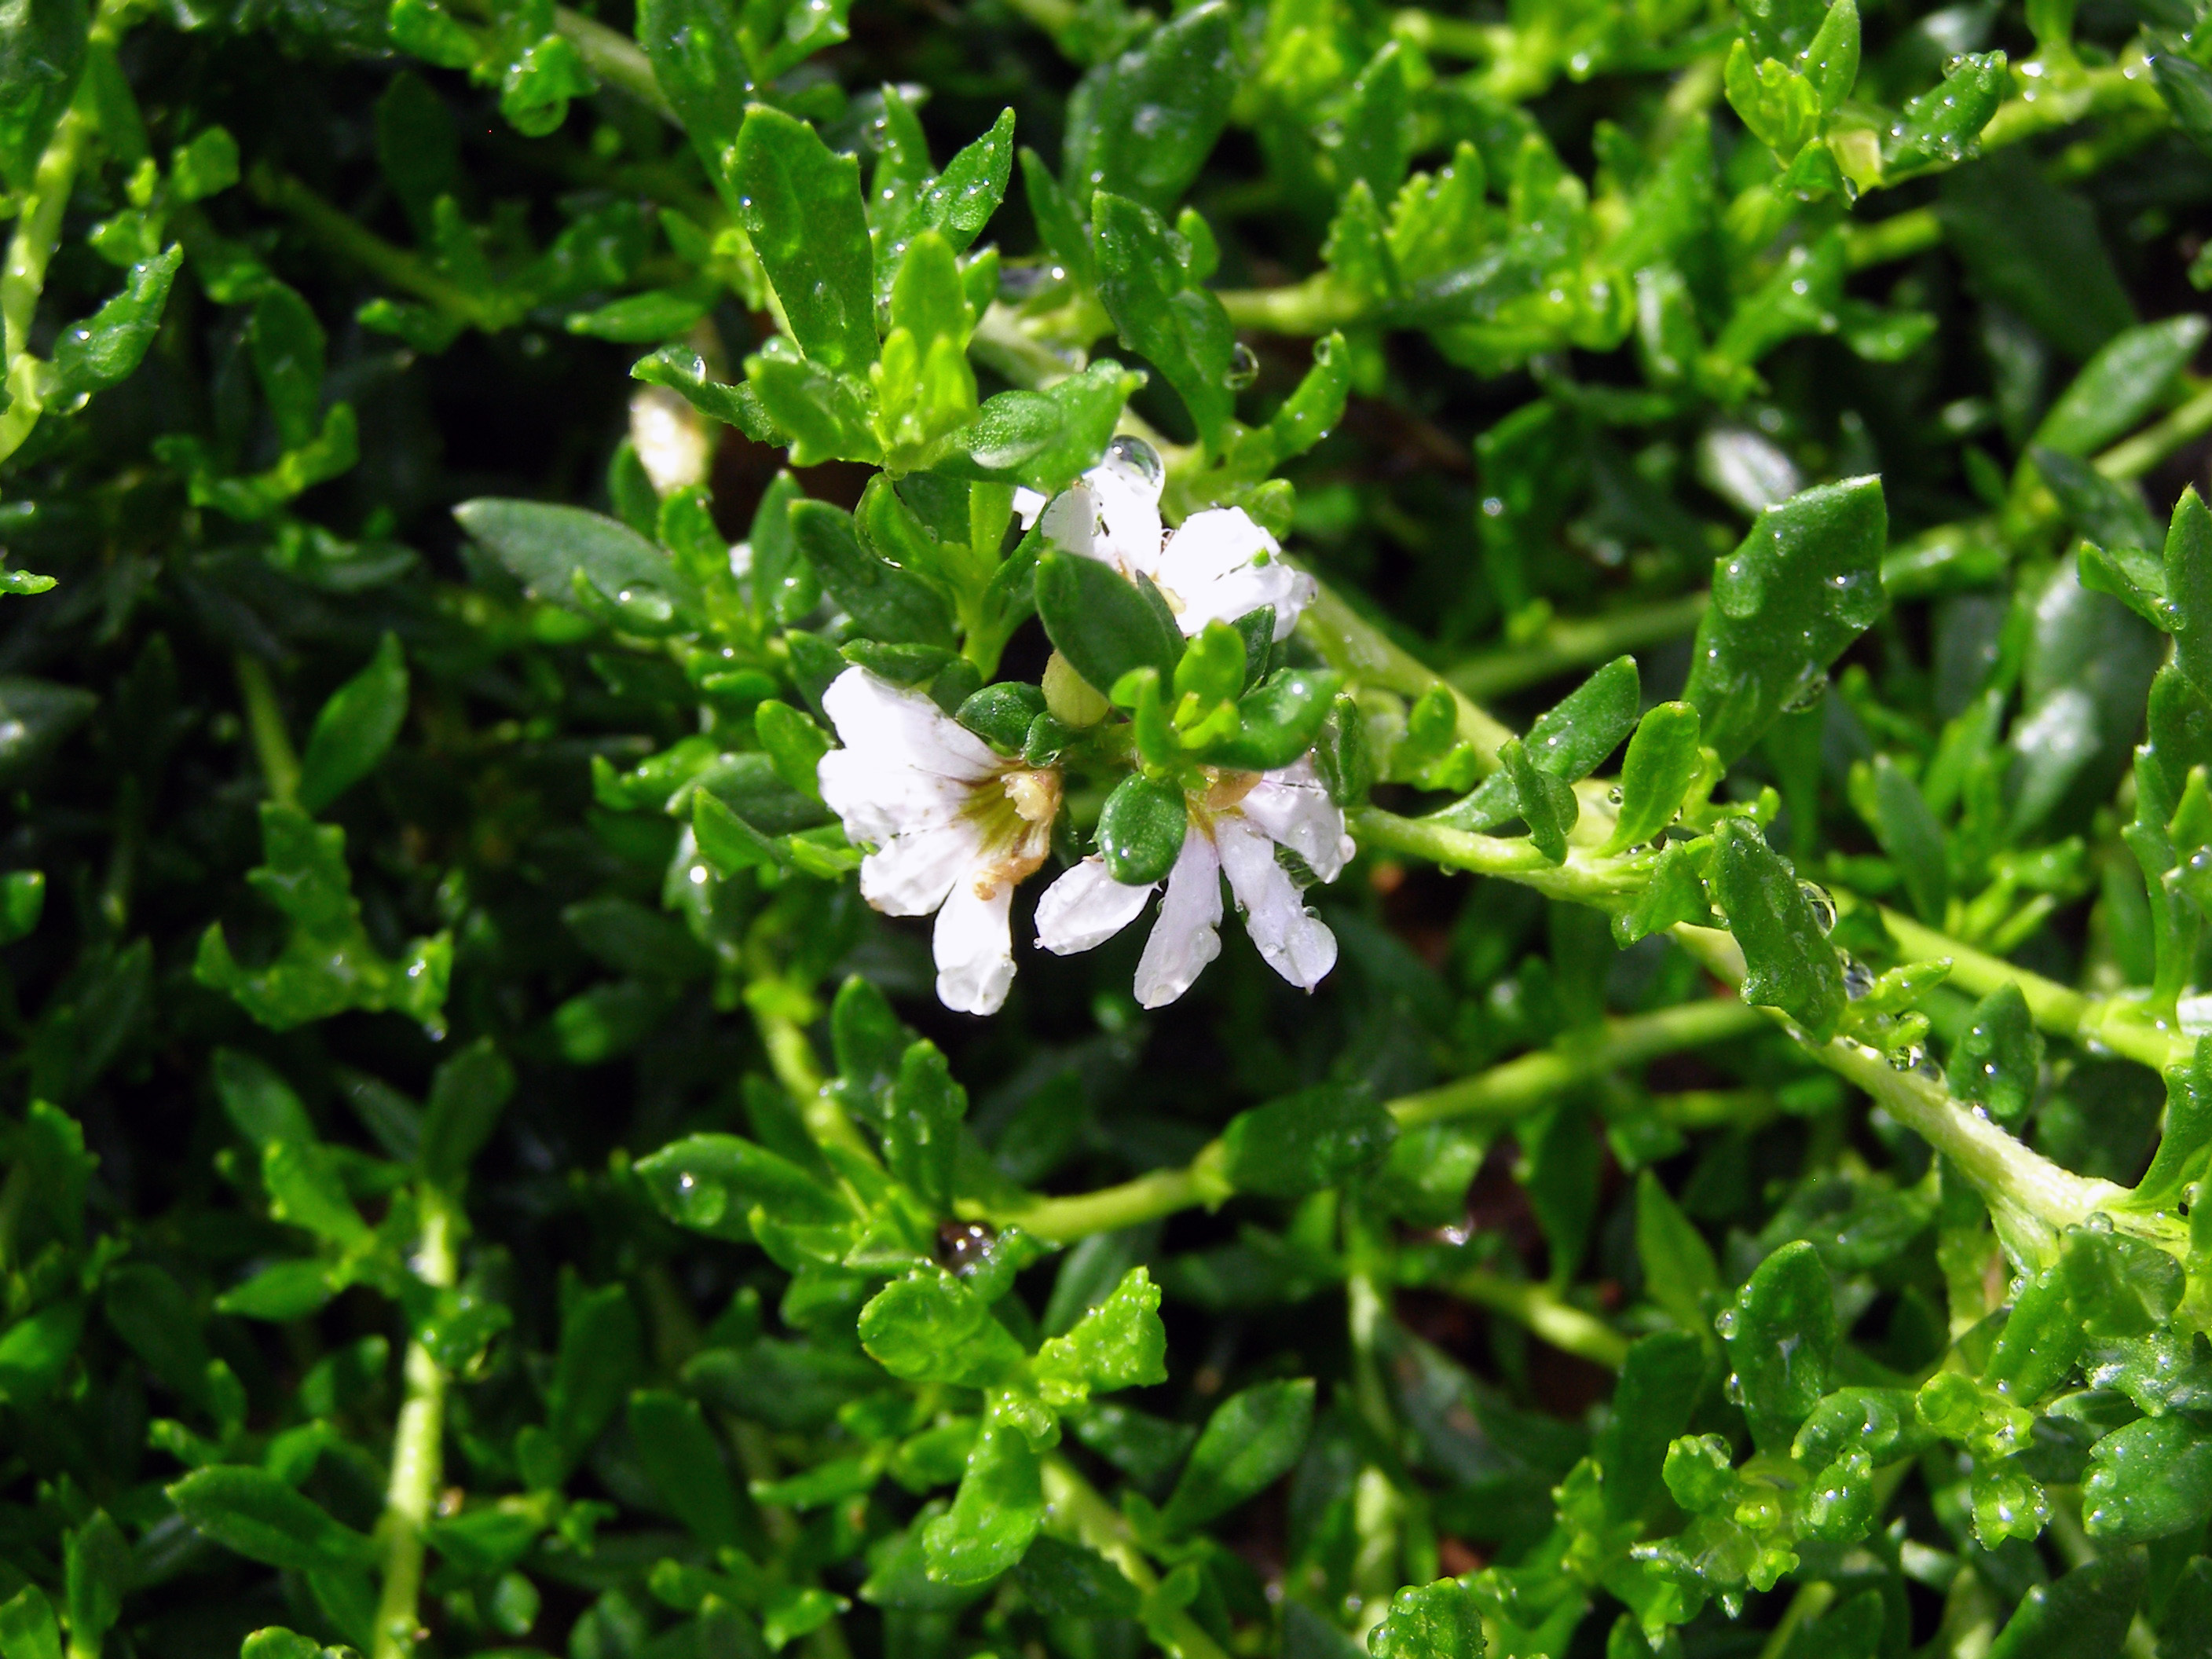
1224 791
1015 818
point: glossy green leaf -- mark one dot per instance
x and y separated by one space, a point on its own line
549 548
103 350
1546 804
1178 327
683 372
2119 387
1568 741
1315 1138
799 203
922 1116
2149 1479
1277 719
2186 87
96 1571
1803 585
22 900
1141 124
1944 124
42 53
1998 1062
327 965
1118 1344
700 67
1043 441
682 1459
1251 1440
252 1512
1781 1341
1443 1620
2082 1615
930 1327
892 605
1072 1580
354 728
2188 610
1910 833
711 1184
599 1360
467 1094
1660 1383
1788 962
1678 1264
1140 830
994 1515
1661 762
1099 621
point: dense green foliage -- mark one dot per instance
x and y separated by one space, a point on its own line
1650 542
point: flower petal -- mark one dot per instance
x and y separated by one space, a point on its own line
1111 514
975 946
1292 939
910 874
1291 804
1221 565
1086 907
902 727
876 800
1187 935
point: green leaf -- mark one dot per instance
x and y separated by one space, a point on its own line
36 1350
22 899
599 1358
1002 714
1443 1620
283 1290
1277 720
1044 440
960 201
711 1182
922 1115
1119 1344
288 347
2188 588
1140 830
253 1513
683 371
683 1459
549 548
1914 840
994 1515
1661 762
1660 1382
42 52
2119 387
1568 742
795 742
892 604
1070 1580
2082 1615
327 965
1098 621
1251 1440
2036 248
1178 327
930 1327
2107 511
2186 86
1831 62
96 1569
1804 584
29 1629
1141 125
467 1094
870 1044
700 68
1788 962
354 728
1943 125
35 715
1678 1264
799 203
2147 1480
1780 1342
305 1190
150 1310
2185 1142
103 350
1998 1062
1545 803
1314 1138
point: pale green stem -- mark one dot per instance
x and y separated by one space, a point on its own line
1898 237
264 720
2031 1200
1810 1601
791 1058
1364 654
1505 1092
417 1450
1566 1327
2116 1024
1520 1086
38 230
1587 876
1576 644
396 267
1074 1509
2133 457
613 58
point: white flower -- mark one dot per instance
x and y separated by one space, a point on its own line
1217 567
1235 828
955 827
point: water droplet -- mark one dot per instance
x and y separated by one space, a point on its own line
1908 1058
1858 978
1733 1389
1807 693
1822 906
1138 460
1614 795
2099 1222
1724 1321
1243 367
